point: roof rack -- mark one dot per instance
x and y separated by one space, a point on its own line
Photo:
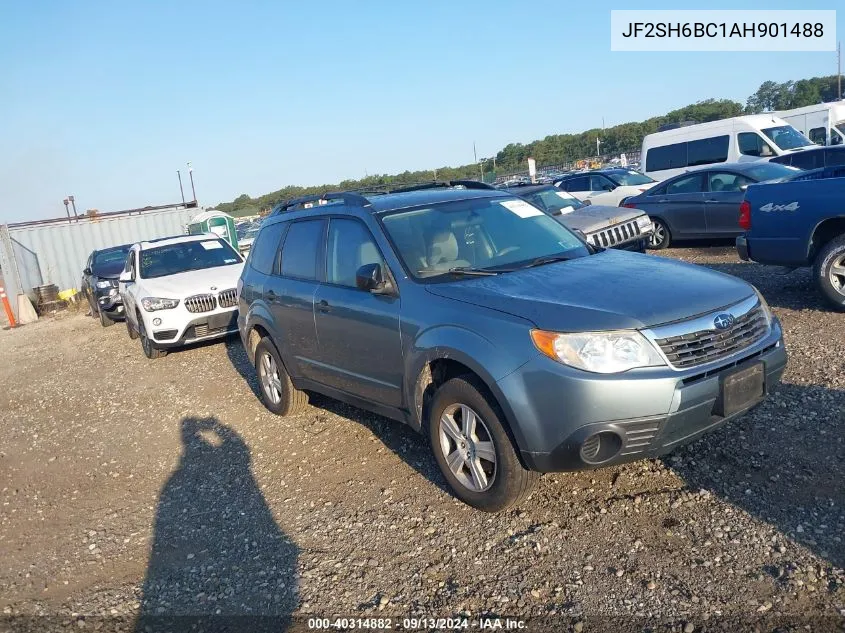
306 202
443 184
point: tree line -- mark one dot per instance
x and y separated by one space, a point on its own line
562 148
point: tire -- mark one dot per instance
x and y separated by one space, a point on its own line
506 481
133 333
274 384
829 271
105 321
662 237
149 348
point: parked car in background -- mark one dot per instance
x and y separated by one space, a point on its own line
99 283
822 123
610 187
814 158
608 227
476 318
799 223
703 202
246 236
180 290
738 139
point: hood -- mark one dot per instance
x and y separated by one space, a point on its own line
592 217
607 291
194 281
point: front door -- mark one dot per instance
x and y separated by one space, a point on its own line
360 350
721 206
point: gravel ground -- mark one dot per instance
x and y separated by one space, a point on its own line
163 488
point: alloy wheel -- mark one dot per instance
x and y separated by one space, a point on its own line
659 235
837 274
468 447
271 383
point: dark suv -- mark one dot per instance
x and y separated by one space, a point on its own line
473 316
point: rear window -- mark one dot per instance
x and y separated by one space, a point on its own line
302 245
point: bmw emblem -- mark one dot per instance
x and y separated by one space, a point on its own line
724 321
214 287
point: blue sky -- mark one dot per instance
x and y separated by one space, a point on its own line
106 100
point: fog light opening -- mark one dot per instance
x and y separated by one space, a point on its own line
600 447
156 321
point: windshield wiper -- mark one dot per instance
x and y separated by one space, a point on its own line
541 261
465 270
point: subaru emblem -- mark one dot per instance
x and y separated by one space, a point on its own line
724 321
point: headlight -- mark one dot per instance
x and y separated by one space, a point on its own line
151 304
600 352
767 311
106 283
644 224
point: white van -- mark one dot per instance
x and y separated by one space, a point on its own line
735 140
823 123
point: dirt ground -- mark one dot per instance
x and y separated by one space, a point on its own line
133 488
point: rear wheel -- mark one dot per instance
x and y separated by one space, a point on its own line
661 237
829 271
277 391
150 350
473 448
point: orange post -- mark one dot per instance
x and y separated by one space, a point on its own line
9 314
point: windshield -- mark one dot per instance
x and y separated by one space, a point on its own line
185 256
554 200
629 178
787 137
483 233
770 171
837 134
109 262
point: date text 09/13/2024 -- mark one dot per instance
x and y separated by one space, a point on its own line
416 624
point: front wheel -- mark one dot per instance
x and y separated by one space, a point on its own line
105 321
473 448
150 350
661 237
829 271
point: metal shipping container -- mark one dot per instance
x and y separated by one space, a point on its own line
55 251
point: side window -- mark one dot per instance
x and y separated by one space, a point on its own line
818 135
600 183
834 157
580 183
752 144
301 249
262 255
708 150
694 183
666 157
726 181
808 160
350 246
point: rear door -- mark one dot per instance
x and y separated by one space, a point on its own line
721 207
360 349
290 295
680 203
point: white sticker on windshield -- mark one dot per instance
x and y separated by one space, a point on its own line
566 210
230 261
211 245
521 208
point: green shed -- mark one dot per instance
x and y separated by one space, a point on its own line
217 222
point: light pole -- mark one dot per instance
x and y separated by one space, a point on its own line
73 204
67 210
182 191
191 174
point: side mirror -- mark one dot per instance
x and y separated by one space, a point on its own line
86 271
125 277
370 277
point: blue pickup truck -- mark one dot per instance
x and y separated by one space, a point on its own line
799 223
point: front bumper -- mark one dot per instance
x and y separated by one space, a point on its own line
179 327
742 248
556 408
110 304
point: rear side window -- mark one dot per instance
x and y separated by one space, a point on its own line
834 157
707 151
262 255
694 183
666 157
302 248
727 182
808 160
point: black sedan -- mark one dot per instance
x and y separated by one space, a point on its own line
703 202
99 283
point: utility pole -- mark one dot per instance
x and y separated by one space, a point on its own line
67 202
839 70
191 174
73 204
182 191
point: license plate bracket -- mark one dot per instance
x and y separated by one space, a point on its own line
741 389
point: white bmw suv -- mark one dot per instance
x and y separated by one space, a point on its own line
179 290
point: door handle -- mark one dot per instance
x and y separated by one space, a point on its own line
662 201
323 306
711 201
